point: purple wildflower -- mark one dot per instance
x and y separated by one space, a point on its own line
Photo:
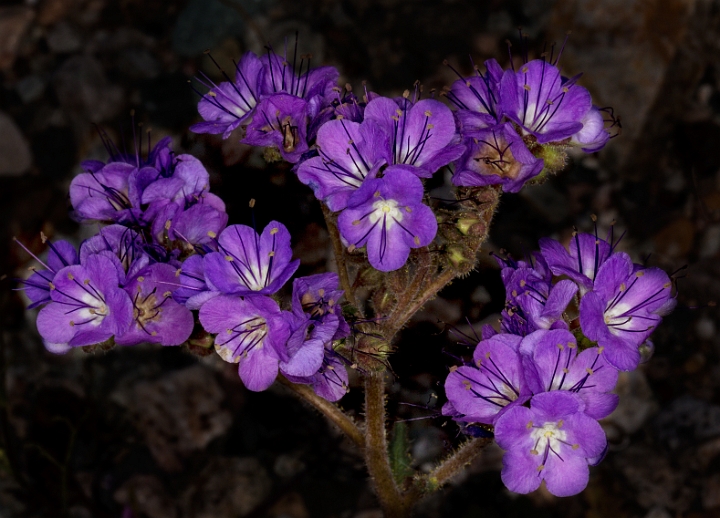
252 332
553 440
422 134
552 362
546 105
477 98
157 318
193 290
227 105
593 136
624 308
330 381
87 306
581 264
281 121
248 264
482 392
37 286
387 215
348 153
281 77
124 243
496 155
104 195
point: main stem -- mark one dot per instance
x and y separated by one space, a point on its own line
376 451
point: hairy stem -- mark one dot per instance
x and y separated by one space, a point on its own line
447 469
339 252
329 410
376 449
399 319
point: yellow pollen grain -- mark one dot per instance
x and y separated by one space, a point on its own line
487 355
549 434
524 70
212 94
408 209
428 113
377 194
560 346
549 101
565 370
430 126
540 467
271 254
575 446
386 209
589 371
571 345
453 368
560 423
479 362
639 274
399 112
466 384
356 222
600 350
623 287
565 89
514 293
72 323
667 285
70 276
526 87
178 272
86 282
522 283
228 331
167 294
416 240
534 452
274 231
351 142
168 224
52 286
212 234
529 425
153 333
140 279
228 258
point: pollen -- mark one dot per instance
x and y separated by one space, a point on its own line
529 425
541 467
178 272
168 224
524 70
453 368
571 345
600 349
167 294
566 370
466 384
228 258
623 287
561 346
549 101
86 282
667 285
271 254
356 222
153 333
589 371
274 231
141 279
351 248
212 234
639 274
575 446
72 323
565 89
560 423
522 283
71 276
408 209
428 113
321 292
377 194
416 240
534 452
228 331
52 286
526 87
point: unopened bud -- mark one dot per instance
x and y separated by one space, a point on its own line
471 227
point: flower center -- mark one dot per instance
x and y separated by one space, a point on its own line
549 436
387 210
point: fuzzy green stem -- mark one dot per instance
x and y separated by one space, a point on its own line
376 448
447 469
339 253
329 410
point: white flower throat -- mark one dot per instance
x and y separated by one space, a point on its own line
387 209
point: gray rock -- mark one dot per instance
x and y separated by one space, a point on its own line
14 21
63 39
15 156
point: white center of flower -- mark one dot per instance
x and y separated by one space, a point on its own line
616 317
387 210
549 435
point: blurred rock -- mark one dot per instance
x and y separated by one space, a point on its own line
30 88
711 492
228 486
287 466
145 495
84 91
177 414
624 50
13 23
290 505
63 39
686 421
637 403
658 512
205 23
15 157
52 11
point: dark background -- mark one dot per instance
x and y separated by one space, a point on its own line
154 432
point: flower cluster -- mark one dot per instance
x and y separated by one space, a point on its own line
166 253
510 119
573 319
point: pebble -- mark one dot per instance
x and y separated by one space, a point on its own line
15 156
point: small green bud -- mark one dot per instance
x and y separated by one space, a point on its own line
471 227
271 154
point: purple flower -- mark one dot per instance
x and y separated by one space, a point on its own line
37 286
124 243
624 308
104 195
191 228
280 76
496 155
248 264
593 136
157 318
533 303
387 215
546 105
87 306
422 135
551 362
581 264
553 440
317 296
477 98
252 332
330 381
348 153
482 392
231 103
193 290
281 121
